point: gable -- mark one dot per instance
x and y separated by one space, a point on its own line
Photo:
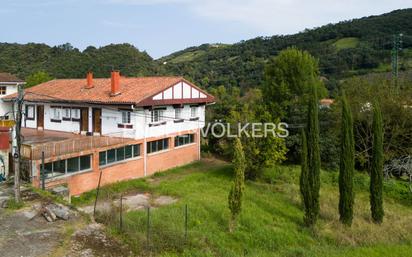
180 91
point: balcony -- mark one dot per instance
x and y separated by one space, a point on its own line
55 143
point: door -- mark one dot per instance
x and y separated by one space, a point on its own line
84 120
40 117
97 121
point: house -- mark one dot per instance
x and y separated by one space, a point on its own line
121 127
8 86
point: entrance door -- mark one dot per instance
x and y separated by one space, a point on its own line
84 120
40 117
97 121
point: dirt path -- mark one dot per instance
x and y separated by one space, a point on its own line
23 233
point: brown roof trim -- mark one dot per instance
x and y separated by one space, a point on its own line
148 101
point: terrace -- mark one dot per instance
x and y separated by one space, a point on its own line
56 143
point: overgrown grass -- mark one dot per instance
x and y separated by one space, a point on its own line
271 221
13 205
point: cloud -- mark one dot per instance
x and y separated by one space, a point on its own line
278 16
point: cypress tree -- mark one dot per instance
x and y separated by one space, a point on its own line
236 192
304 183
313 158
347 165
376 180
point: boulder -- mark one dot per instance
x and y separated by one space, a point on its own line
59 210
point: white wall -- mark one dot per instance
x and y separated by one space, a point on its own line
65 126
111 117
6 107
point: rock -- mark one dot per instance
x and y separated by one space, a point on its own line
30 214
49 215
59 210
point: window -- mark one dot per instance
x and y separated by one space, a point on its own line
125 117
3 90
56 114
111 156
157 115
62 167
75 114
29 112
193 112
66 114
178 113
85 163
119 154
158 145
73 164
102 158
184 139
136 150
128 151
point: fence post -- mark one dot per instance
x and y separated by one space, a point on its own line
43 177
97 195
186 219
148 228
121 213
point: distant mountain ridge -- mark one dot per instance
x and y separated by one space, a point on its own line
348 48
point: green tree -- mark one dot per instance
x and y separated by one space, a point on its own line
347 165
236 192
288 77
313 158
304 177
260 150
37 78
376 180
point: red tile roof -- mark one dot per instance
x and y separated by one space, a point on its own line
133 90
7 77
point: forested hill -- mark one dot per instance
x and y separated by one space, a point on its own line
65 61
348 48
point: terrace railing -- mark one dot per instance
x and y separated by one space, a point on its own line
68 146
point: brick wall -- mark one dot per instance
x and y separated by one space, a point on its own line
129 169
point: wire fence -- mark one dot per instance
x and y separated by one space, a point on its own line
149 230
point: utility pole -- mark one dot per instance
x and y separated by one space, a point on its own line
17 149
397 46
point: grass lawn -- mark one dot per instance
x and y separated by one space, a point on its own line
271 221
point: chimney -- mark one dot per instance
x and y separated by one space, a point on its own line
89 79
115 83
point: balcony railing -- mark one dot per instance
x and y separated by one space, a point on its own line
68 146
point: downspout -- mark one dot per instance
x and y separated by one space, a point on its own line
144 145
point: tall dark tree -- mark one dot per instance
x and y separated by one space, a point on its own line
304 177
347 165
236 192
313 157
376 180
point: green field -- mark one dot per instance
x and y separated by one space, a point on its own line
271 221
347 42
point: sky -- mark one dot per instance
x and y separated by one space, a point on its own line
161 27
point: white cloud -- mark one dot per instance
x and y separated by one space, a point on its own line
279 16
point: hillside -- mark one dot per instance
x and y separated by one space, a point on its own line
347 48
353 47
65 61
271 222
